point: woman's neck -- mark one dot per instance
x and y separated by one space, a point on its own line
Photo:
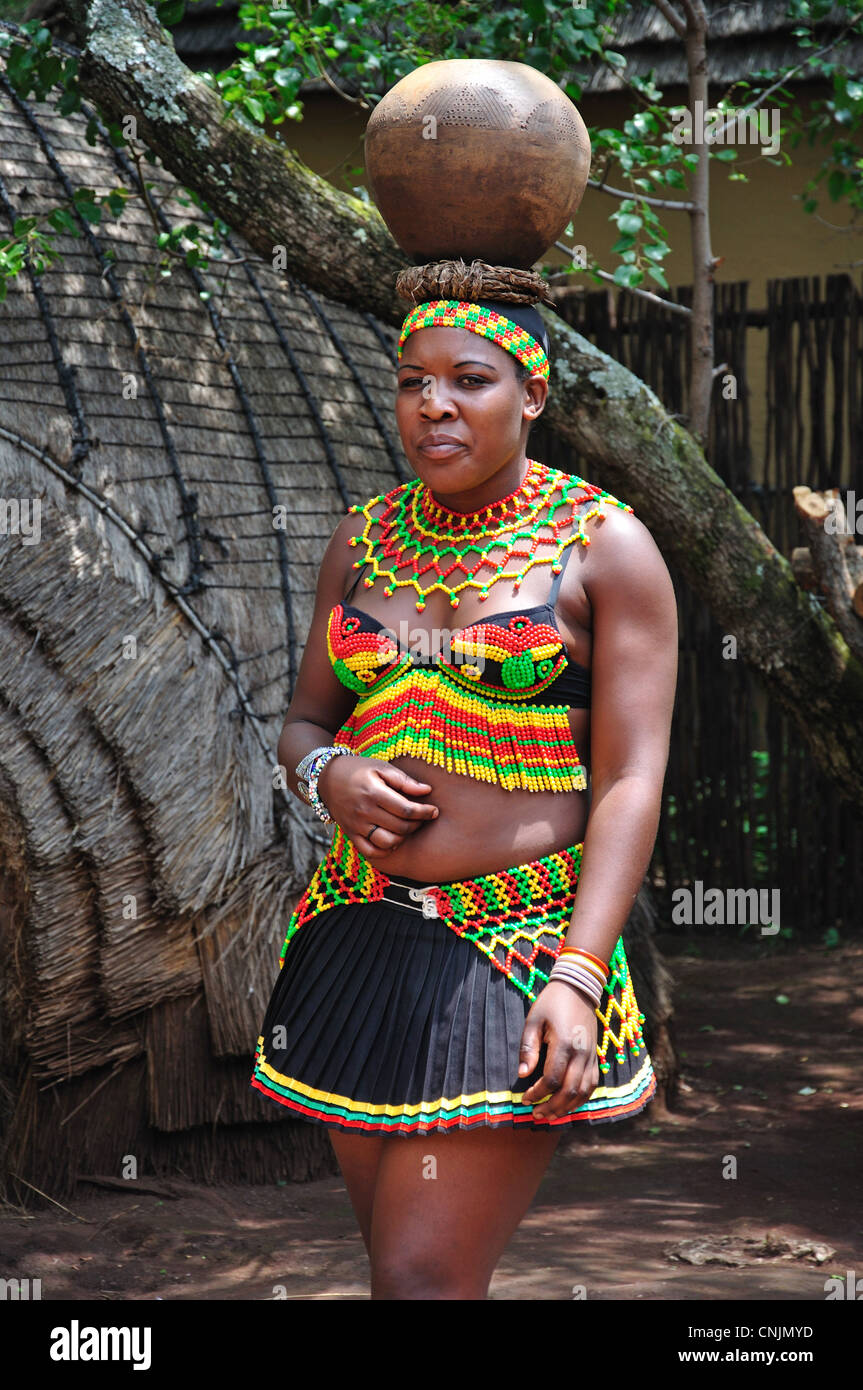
500 486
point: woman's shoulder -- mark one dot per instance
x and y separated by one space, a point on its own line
589 496
350 542
361 514
595 510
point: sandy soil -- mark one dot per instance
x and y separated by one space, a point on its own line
615 1205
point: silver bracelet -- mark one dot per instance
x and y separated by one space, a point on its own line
303 767
318 766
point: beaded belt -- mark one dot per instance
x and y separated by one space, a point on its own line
517 917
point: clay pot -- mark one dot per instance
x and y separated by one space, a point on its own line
476 158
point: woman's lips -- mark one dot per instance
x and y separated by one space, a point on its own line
440 451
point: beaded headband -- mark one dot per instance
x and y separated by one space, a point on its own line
459 313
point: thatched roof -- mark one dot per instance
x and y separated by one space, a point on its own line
744 36
152 633
150 638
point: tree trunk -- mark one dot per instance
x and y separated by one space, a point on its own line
339 245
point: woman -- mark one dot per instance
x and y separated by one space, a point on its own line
447 1005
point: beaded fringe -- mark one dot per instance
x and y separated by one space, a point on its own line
420 714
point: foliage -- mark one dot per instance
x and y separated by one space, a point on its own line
362 49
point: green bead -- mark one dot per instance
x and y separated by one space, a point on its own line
347 677
517 671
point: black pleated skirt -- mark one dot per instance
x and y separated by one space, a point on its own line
385 1022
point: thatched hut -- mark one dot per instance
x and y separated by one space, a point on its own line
174 453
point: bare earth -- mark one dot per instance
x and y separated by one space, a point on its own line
615 1204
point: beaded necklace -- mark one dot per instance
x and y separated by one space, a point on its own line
445 542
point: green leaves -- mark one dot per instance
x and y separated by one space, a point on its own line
363 49
170 12
628 276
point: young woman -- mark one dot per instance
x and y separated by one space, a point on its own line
483 637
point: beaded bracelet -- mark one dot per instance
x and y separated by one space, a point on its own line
318 765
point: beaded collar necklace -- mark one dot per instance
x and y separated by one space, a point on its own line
447 544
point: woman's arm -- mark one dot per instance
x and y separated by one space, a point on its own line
320 703
634 677
358 792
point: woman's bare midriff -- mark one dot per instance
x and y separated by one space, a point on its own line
482 827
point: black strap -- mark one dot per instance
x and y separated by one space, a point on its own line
555 588
356 582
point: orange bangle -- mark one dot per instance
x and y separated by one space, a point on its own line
579 951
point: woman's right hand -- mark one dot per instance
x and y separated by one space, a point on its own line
361 792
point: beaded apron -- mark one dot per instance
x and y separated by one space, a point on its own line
517 917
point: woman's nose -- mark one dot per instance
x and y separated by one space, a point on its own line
436 402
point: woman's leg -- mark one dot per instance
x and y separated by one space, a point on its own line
358 1157
445 1208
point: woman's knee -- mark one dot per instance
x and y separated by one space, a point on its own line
424 1275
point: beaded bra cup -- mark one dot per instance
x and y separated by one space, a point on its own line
494 707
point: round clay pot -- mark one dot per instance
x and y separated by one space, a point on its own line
476 158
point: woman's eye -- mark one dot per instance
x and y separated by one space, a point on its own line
468 377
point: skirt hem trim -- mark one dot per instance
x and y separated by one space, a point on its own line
639 1093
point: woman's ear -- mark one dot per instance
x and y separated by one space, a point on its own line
537 391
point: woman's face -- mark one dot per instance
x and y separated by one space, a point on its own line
456 383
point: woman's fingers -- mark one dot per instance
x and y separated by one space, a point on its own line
528 1053
372 851
402 781
409 811
553 1072
378 815
574 1090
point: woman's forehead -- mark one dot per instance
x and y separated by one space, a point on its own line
453 343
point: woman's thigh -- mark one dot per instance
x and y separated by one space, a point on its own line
445 1208
359 1157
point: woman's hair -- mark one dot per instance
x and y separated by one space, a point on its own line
475 282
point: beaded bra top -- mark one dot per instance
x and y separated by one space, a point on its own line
492 706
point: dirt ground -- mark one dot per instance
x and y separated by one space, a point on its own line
770 1042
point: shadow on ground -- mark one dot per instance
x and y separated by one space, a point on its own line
770 1088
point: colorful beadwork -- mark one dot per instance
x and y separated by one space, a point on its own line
459 313
451 715
418 534
517 917
426 714
359 659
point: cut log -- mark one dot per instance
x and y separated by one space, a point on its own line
834 560
804 572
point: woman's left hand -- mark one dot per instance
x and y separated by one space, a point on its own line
565 1019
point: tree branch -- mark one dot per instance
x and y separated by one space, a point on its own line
631 289
652 202
674 19
339 245
703 265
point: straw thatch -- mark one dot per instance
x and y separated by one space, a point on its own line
150 640
151 634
